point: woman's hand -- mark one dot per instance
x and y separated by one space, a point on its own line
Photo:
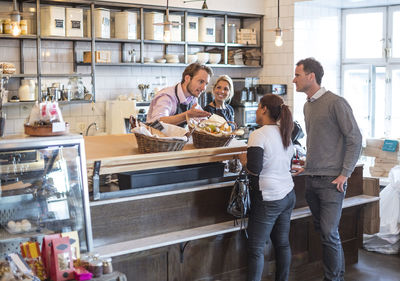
296 170
243 158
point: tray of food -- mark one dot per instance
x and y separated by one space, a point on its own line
19 227
45 130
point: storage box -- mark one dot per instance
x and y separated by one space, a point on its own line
246 36
126 25
176 30
161 176
100 56
74 22
207 29
192 29
52 21
151 31
101 22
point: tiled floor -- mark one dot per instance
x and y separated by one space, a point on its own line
373 267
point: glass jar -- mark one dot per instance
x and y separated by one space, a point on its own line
1 26
107 266
96 268
7 26
23 24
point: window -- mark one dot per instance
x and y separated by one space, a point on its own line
371 68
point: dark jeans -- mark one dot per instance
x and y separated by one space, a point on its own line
269 219
325 203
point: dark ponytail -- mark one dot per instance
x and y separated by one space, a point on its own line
279 112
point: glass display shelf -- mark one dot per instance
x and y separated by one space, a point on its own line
43 190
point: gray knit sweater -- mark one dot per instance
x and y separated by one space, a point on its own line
333 137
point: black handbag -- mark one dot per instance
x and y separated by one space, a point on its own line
239 201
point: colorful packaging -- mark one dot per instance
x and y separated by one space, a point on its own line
61 260
74 243
46 251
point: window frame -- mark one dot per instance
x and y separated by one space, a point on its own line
346 12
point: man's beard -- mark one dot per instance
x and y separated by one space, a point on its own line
189 90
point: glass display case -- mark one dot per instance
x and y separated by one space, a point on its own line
43 190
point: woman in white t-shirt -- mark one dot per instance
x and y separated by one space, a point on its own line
268 163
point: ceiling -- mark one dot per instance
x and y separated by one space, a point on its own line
356 3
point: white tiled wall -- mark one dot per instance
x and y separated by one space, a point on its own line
111 81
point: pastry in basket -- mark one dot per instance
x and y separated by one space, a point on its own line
212 132
158 136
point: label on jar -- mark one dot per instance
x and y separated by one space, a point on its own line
76 24
59 23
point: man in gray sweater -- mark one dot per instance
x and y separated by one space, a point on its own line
333 147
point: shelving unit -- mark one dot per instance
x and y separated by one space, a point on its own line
187 46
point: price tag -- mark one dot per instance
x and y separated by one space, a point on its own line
58 127
390 145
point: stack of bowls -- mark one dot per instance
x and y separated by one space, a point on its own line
172 58
191 58
215 58
203 58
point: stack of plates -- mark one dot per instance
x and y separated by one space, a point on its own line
172 58
148 60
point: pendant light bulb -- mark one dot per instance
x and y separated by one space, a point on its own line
167 34
278 37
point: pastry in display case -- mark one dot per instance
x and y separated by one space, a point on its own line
43 190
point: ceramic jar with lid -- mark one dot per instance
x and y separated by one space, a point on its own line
107 265
26 91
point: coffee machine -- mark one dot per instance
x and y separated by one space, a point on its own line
244 102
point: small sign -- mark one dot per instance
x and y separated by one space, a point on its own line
58 127
59 23
390 145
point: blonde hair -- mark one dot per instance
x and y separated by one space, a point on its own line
227 79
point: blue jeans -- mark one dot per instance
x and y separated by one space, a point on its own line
325 203
269 219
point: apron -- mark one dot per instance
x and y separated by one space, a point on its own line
180 107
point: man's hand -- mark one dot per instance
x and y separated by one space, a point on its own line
340 181
197 113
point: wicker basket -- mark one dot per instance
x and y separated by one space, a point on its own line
148 144
204 140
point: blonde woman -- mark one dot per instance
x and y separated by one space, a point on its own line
223 93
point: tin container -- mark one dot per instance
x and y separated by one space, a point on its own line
52 21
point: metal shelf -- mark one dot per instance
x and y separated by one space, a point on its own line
168 64
206 44
243 45
117 40
61 38
18 75
66 75
11 104
163 43
9 36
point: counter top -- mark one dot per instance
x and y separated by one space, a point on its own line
119 153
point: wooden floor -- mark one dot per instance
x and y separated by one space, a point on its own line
373 267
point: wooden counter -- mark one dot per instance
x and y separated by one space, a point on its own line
119 153
186 234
